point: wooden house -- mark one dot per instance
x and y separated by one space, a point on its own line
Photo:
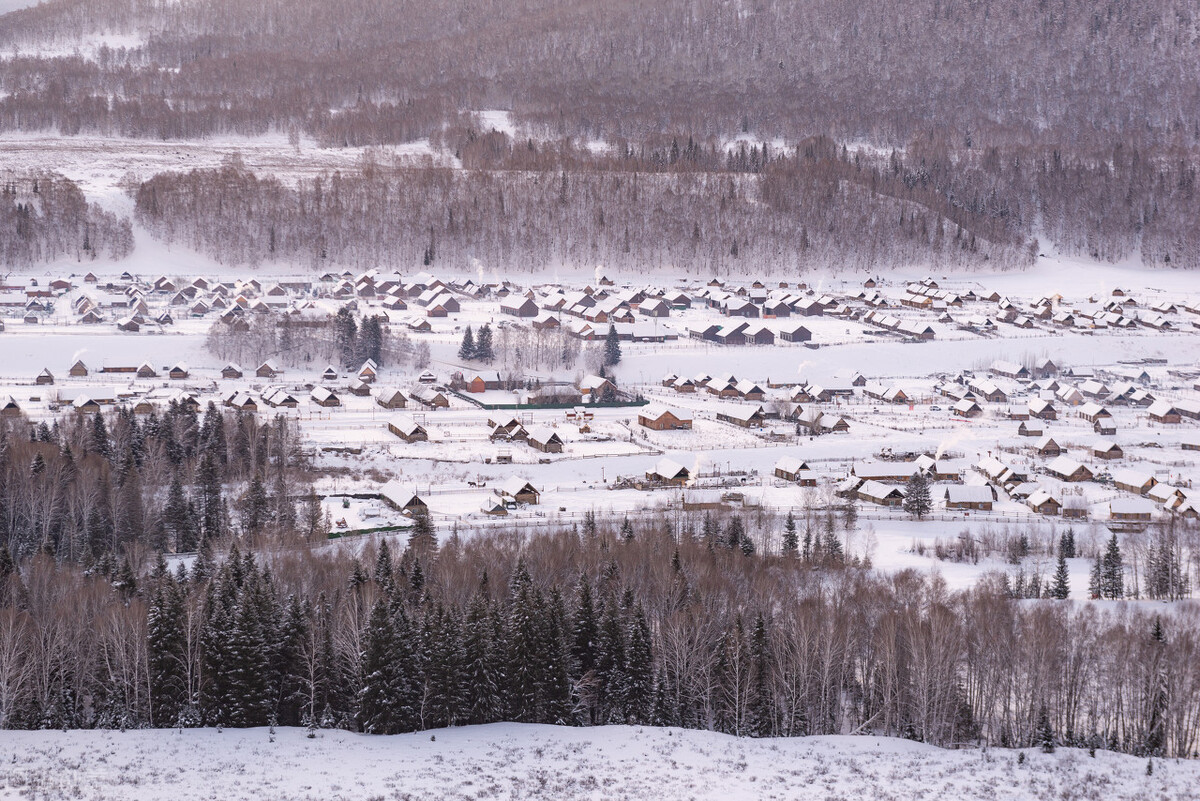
390 398
325 397
668 471
407 429
544 439
519 491
658 418
974 498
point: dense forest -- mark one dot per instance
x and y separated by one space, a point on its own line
1067 73
936 132
587 627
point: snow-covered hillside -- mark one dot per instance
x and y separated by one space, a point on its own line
525 761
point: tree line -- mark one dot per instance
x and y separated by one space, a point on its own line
44 216
591 625
523 206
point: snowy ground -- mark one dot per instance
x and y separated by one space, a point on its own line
523 761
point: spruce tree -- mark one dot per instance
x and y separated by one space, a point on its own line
370 341
760 702
1066 544
178 519
1062 581
522 635
1096 579
377 713
98 437
466 351
612 347
247 664
483 345
255 506
422 538
1113 575
345 330
639 671
209 480
611 664
482 701
1045 732
917 499
166 655
791 541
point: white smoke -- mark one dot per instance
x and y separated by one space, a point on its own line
78 355
699 465
961 434
800 368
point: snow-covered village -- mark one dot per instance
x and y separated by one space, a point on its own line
544 399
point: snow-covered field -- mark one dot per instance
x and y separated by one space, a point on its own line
524 761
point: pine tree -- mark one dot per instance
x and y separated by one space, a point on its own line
639 671
98 437
612 347
483 345
522 635
445 693
255 507
209 480
166 655
1113 582
247 663
1096 579
384 568
555 708
759 705
626 530
422 538
791 541
370 341
1066 544
1045 732
482 702
178 519
377 713
345 330
734 533
610 665
466 351
1062 582
917 499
